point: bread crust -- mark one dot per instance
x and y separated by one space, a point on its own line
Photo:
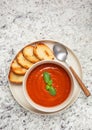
43 52
29 55
23 61
17 69
14 78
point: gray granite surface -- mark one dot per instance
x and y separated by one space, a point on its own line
25 21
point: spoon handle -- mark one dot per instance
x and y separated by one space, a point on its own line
83 87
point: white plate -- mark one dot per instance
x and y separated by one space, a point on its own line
72 60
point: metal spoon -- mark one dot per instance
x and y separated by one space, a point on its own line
61 53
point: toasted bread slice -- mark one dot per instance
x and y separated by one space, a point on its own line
14 78
23 61
43 52
17 69
28 54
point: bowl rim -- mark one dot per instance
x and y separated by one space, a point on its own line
53 108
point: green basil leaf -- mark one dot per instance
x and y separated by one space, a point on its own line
50 82
46 77
52 91
47 87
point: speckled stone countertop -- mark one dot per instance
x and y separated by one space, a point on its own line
25 21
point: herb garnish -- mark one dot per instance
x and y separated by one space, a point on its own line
48 81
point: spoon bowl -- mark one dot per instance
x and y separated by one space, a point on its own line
60 52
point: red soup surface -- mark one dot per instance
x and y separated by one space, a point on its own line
36 87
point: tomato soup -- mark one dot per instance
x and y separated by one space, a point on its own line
36 87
